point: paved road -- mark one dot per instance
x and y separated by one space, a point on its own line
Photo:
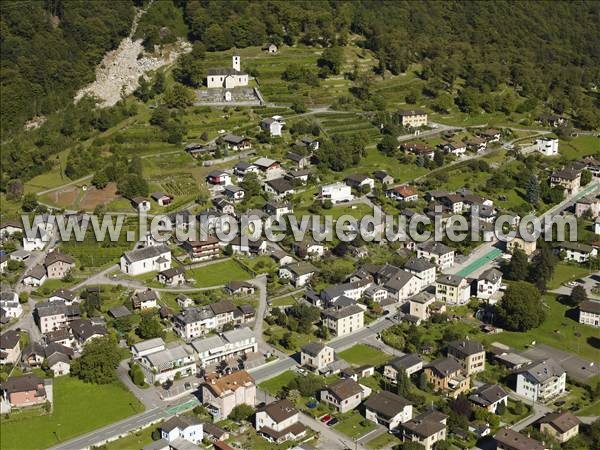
589 283
440 128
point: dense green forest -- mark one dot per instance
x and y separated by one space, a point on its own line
466 52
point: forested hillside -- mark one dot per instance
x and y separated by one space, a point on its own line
49 49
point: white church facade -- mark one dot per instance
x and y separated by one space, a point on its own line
228 78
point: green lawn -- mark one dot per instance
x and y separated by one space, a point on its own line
274 385
566 272
136 440
557 331
384 440
351 424
218 274
72 415
579 147
361 354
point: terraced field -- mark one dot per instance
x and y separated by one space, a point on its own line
347 123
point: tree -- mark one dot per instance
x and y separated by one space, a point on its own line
332 59
251 185
241 412
438 158
124 324
403 384
388 145
159 83
532 190
408 445
542 267
518 267
98 362
586 177
137 375
100 179
521 307
178 96
578 295
287 340
29 202
150 327
133 185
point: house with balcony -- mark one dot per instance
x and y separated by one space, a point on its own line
470 354
168 363
446 375
279 421
541 380
213 349
220 394
388 409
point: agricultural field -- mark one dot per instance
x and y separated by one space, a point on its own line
217 274
343 123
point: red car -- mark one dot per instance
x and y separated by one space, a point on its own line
326 418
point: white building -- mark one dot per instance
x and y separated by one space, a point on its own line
452 290
36 276
148 259
343 395
279 421
489 283
577 251
194 322
299 274
336 193
388 409
273 125
182 427
166 364
424 269
147 347
214 349
227 78
317 356
589 313
541 380
344 320
546 146
9 302
440 254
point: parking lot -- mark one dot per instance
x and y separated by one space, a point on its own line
577 368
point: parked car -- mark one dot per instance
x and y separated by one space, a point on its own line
326 418
332 422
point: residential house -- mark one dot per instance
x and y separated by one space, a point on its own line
317 356
455 148
388 409
568 179
24 390
58 264
507 439
268 168
383 177
589 205
271 49
9 228
35 276
452 289
309 249
402 285
182 427
224 312
528 246
426 429
147 347
161 198
84 330
470 354
562 426
272 125
423 305
223 204
234 193
281 257
438 253
309 142
242 168
541 380
229 77
239 288
167 364
446 375
10 347
50 316
489 283
298 177
59 364
413 118
228 345
476 144
194 322
218 178
344 320
148 259
546 146
200 250
336 193
236 143
410 364
402 193
214 433
146 299
344 395
279 188
576 251
175 276
489 396
10 305
142 204
419 149
298 273
279 421
278 208
360 181
423 268
491 135
589 313
64 295
221 394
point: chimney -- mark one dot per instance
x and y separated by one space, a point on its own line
237 63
